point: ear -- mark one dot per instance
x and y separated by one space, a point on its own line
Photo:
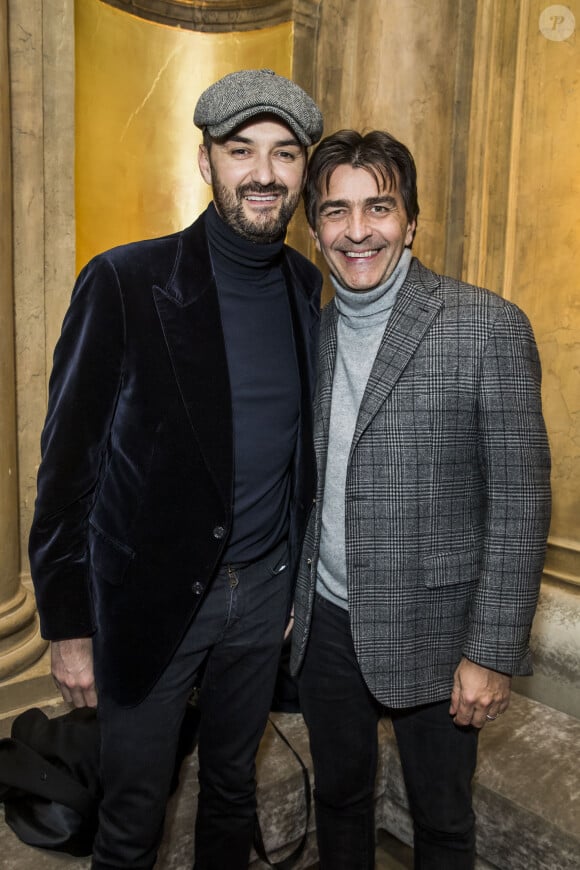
204 164
410 233
314 237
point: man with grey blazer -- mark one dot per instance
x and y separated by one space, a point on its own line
423 556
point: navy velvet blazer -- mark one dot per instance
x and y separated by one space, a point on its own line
135 485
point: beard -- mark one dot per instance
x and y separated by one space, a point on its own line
265 228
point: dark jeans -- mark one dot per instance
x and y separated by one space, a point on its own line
438 759
236 637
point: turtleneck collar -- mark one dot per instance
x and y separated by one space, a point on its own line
235 251
363 309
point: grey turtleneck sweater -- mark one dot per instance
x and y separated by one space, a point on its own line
362 320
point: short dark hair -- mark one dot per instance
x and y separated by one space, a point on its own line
377 151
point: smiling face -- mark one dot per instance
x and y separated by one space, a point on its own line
256 175
362 227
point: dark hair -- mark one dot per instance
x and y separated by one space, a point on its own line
378 152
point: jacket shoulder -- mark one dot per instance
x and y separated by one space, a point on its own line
462 296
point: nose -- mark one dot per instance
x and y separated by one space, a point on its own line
263 170
358 229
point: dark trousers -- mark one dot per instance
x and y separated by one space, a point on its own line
236 638
437 757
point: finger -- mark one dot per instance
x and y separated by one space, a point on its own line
455 699
493 712
479 719
84 697
90 697
464 715
78 697
504 706
65 692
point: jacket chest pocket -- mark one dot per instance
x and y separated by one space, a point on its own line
450 569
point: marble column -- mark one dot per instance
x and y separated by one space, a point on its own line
20 641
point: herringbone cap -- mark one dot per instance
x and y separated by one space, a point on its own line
242 95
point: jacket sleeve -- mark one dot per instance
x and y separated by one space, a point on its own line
83 391
515 462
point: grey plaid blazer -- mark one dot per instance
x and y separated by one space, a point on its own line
447 494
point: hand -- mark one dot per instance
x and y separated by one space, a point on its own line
72 669
290 625
479 694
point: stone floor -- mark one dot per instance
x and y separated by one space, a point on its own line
391 854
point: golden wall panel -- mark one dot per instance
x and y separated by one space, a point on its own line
522 238
523 222
543 244
137 83
406 68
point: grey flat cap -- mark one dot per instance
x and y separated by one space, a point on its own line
242 95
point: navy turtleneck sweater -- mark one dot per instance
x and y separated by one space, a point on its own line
264 383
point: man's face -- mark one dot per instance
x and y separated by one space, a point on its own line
362 228
256 175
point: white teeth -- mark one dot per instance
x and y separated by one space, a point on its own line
257 198
358 255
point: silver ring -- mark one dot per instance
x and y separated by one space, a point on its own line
491 718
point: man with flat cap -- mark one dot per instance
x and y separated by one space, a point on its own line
177 470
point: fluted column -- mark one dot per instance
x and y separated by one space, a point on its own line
20 641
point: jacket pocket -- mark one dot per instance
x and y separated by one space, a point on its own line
109 558
446 569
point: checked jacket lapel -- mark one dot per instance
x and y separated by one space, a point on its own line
415 309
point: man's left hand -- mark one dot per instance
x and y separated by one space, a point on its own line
479 694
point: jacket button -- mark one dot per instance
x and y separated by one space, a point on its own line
197 588
219 532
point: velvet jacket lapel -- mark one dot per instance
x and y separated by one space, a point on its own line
189 311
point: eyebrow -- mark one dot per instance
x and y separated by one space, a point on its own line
387 199
247 141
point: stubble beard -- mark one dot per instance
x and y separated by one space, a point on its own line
264 228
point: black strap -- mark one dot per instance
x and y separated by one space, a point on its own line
290 860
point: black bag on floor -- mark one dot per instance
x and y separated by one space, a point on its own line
49 777
50 784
